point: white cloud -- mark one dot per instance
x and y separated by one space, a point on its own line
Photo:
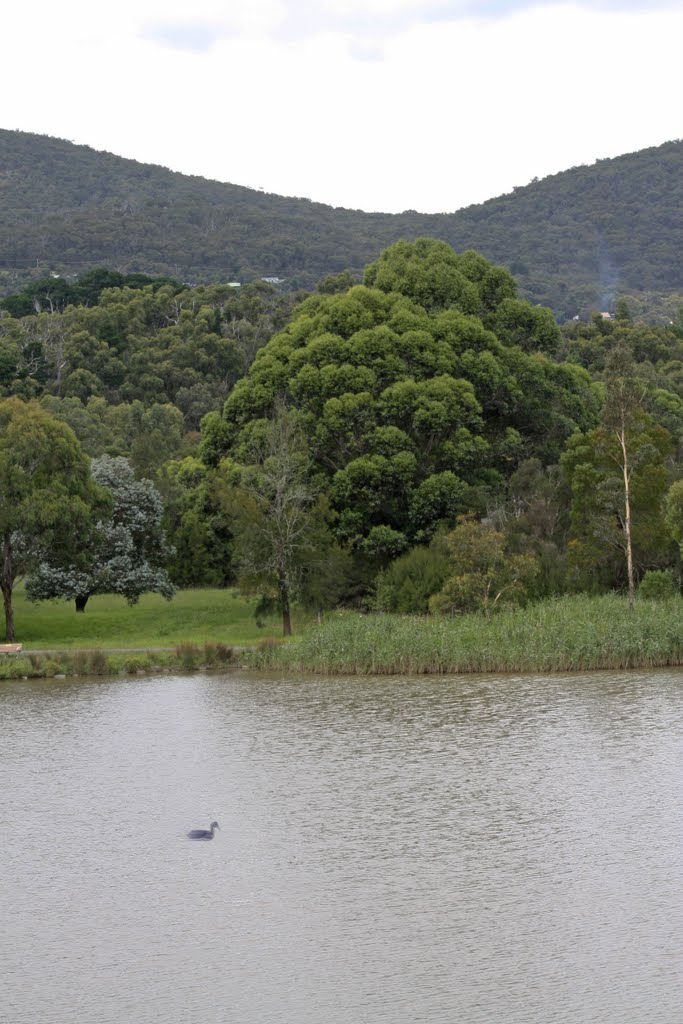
454 112
364 23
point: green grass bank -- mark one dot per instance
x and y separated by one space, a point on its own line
563 635
108 622
198 629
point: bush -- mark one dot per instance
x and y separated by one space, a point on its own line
217 654
12 667
484 575
657 585
99 663
264 654
408 583
188 655
80 663
135 664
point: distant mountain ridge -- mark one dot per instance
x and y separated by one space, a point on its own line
574 240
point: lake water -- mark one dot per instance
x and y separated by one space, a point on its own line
468 850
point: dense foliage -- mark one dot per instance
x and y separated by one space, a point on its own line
157 345
425 441
47 497
414 408
574 240
55 293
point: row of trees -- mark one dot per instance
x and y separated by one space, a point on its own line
159 343
431 395
423 441
609 512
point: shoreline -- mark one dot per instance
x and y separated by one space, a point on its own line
567 634
143 666
66 664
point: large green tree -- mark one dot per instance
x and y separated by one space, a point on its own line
46 493
413 408
196 525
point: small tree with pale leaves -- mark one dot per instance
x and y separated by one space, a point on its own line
123 554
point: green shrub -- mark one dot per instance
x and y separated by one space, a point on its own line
12 667
657 585
135 664
408 583
264 654
80 663
217 654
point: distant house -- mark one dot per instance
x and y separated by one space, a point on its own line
234 284
274 280
606 316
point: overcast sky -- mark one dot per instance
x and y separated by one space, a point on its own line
371 104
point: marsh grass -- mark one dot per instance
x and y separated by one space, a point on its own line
217 654
186 658
188 655
562 635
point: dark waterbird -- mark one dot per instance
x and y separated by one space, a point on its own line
203 833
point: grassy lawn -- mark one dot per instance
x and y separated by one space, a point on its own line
193 616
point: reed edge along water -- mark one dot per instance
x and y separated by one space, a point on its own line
562 635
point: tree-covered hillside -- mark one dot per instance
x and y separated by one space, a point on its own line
574 241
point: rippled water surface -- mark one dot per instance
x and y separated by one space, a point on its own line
391 850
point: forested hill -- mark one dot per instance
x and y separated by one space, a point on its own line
573 240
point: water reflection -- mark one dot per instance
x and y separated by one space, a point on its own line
391 850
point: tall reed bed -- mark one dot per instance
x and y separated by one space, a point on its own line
561 635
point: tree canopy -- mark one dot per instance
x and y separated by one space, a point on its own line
412 412
123 552
46 493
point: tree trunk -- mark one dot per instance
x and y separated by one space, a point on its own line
9 615
284 604
627 524
81 601
6 584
